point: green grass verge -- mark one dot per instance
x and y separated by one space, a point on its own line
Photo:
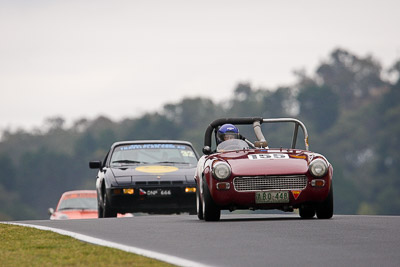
25 246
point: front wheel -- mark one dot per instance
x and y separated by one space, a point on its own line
325 209
211 212
99 209
199 204
107 210
306 211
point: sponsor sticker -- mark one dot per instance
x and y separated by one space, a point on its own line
296 193
157 169
150 146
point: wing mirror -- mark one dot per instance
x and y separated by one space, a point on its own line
95 164
207 150
50 211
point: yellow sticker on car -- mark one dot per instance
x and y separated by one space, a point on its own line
156 169
296 194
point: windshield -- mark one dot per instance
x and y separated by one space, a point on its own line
87 203
232 144
153 154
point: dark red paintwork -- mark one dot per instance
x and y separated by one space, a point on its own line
241 174
297 163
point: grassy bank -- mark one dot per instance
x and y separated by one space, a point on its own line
25 246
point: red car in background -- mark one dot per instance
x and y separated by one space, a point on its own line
78 204
239 174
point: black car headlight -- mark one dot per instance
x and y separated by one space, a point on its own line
318 168
221 170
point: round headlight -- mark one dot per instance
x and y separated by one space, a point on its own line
318 168
221 170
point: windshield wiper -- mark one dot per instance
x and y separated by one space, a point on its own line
127 161
173 162
76 208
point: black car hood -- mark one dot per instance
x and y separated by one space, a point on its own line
129 174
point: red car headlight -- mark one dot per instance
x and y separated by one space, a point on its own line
221 170
318 168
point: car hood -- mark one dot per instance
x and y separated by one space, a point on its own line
74 214
129 174
266 163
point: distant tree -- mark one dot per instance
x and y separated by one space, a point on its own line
279 103
54 123
80 125
45 175
319 105
100 124
243 103
386 145
242 91
191 112
352 78
151 126
396 70
8 174
261 102
13 208
85 145
99 135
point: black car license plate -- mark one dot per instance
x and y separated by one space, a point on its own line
159 192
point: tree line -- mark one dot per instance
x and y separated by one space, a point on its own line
351 112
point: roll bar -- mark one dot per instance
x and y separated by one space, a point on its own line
256 122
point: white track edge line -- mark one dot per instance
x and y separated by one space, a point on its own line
97 241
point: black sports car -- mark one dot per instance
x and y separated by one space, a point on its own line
147 176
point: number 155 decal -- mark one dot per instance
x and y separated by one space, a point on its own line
268 156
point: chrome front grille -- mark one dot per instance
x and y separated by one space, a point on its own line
256 183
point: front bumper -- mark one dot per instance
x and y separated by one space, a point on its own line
226 195
162 200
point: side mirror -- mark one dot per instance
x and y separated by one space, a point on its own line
95 164
207 150
51 211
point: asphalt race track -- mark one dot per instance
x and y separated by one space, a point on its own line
253 240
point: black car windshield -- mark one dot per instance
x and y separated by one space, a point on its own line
133 154
78 204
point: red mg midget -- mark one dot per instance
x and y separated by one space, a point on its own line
240 174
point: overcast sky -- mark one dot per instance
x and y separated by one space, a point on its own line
122 58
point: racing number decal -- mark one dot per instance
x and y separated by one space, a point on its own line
268 156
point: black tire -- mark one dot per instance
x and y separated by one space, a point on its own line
325 209
107 210
99 208
307 212
211 212
199 204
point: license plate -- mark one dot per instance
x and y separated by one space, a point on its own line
159 192
272 197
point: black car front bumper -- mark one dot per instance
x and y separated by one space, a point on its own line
153 199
